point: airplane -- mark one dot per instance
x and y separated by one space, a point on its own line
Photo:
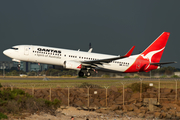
86 62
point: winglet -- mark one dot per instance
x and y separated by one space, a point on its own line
129 52
90 50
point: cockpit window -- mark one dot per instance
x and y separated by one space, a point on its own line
15 48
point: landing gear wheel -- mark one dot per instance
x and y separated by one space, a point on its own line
88 74
81 74
18 66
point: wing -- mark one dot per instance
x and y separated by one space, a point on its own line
162 63
101 61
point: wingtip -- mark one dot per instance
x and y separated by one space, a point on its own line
130 51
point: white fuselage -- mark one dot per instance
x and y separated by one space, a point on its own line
57 56
146 61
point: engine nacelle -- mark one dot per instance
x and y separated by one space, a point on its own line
72 65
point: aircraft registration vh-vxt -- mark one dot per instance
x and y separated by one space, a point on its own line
86 62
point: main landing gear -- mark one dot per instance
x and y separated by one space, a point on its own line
82 74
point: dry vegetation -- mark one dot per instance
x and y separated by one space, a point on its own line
17 102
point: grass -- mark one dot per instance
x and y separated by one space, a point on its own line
164 84
58 83
169 83
3 116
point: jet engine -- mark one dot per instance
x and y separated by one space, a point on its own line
72 65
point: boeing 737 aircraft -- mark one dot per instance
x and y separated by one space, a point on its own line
86 62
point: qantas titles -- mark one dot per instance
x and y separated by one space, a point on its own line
48 50
42 52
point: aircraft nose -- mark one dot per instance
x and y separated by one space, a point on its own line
6 52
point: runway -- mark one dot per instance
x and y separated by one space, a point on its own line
146 79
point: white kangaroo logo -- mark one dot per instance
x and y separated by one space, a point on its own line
150 54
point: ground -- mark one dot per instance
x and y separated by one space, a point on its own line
78 115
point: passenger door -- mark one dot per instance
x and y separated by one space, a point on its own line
26 50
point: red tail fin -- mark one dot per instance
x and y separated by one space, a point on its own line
155 50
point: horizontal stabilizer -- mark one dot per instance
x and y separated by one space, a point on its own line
162 63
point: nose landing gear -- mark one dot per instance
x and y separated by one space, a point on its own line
18 66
